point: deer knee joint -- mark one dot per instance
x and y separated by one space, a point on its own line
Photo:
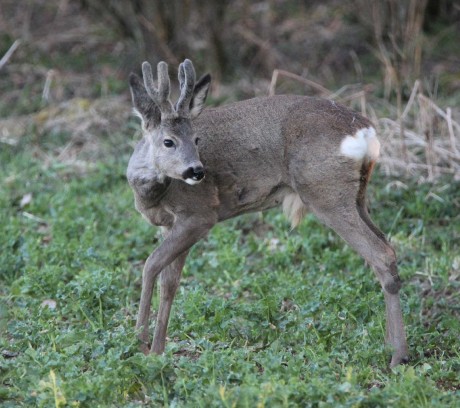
393 287
394 284
389 278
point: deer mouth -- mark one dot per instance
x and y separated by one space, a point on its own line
192 182
193 175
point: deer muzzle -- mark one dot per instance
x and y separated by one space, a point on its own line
194 174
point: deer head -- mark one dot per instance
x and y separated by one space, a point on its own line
167 127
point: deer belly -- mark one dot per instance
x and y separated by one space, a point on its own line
244 199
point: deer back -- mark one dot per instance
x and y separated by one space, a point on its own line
255 151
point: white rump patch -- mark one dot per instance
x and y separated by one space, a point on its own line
294 209
363 143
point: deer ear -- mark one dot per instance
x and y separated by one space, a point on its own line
143 105
200 92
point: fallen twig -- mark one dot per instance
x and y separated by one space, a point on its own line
9 53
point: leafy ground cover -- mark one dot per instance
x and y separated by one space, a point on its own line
264 316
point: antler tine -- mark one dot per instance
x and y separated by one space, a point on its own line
161 95
163 81
187 79
181 76
148 81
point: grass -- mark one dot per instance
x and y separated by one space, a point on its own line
264 317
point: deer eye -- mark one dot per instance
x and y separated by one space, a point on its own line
197 140
168 143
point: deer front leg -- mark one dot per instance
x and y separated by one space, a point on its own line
142 324
182 236
169 282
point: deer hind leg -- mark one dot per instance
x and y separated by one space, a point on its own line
395 332
169 282
351 221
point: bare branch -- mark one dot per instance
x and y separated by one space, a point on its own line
9 53
298 78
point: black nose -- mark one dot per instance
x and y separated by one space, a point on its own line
198 173
195 173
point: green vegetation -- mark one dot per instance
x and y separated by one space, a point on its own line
264 316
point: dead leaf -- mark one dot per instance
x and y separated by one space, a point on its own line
49 303
25 200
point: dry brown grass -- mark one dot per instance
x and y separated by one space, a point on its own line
84 127
423 141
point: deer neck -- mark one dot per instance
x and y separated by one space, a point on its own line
149 185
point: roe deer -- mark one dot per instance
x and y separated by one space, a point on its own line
195 167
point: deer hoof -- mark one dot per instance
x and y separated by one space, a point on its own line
399 359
